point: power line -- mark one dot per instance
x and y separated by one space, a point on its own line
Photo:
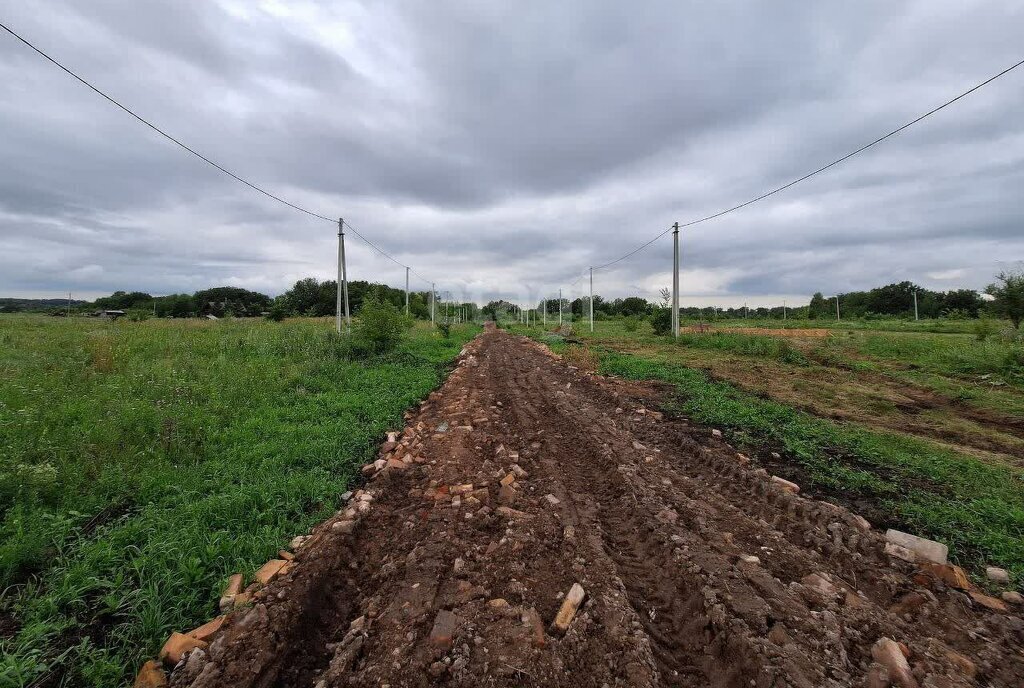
191 150
158 129
817 171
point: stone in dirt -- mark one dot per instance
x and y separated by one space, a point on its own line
819 584
285 554
269 571
532 620
887 652
567 612
552 499
461 489
997 575
150 676
1013 597
507 494
923 549
442 635
792 488
508 479
176 647
519 471
344 527
512 513
207 630
716 432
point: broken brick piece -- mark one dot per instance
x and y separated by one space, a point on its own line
984 600
234 586
150 676
207 630
567 612
269 571
176 647
950 574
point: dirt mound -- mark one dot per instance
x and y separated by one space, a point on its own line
536 526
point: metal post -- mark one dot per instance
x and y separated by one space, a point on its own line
559 306
915 305
342 291
432 300
591 299
837 307
675 280
407 292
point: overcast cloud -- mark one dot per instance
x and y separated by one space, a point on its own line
501 148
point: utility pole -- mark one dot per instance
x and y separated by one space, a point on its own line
783 309
559 306
407 292
837 307
545 312
915 305
433 298
675 280
68 314
591 298
342 280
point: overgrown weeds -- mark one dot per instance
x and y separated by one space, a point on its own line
144 462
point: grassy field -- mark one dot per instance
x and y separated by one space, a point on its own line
142 463
914 427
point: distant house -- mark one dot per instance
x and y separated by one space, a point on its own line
110 315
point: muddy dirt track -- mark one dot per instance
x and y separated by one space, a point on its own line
522 477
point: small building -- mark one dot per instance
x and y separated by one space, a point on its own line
110 315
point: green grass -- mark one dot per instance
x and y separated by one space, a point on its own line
977 508
142 463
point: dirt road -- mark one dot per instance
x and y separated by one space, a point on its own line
523 477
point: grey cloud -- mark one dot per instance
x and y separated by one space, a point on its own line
501 149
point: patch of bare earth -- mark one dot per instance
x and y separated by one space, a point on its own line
533 528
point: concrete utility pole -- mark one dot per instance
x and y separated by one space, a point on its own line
432 300
68 314
407 292
559 306
342 280
783 309
675 280
545 312
837 308
591 299
915 305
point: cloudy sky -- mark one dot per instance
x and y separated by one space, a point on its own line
501 148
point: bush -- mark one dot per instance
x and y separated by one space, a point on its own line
277 313
984 328
380 327
632 323
445 329
661 321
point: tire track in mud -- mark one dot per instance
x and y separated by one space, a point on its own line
698 570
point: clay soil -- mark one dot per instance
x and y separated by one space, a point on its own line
697 569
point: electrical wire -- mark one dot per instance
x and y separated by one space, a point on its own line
817 171
188 148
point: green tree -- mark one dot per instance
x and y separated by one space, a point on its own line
1008 295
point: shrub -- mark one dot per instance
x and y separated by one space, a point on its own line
632 323
277 313
661 321
380 327
445 329
984 328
